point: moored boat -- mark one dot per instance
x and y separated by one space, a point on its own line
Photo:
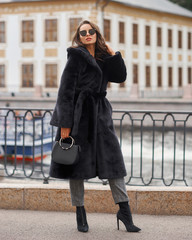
29 140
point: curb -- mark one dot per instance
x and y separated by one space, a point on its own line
98 198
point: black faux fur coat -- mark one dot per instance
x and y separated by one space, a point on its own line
82 106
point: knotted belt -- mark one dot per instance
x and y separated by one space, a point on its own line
81 96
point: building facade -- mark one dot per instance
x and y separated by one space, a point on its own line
156 45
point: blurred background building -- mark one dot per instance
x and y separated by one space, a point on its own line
154 37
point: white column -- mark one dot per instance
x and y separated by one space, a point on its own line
187 89
128 52
175 57
114 32
141 54
39 51
13 53
153 55
114 41
100 20
164 56
63 41
185 56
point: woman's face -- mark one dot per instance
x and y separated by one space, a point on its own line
89 34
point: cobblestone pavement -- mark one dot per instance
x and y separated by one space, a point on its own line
39 225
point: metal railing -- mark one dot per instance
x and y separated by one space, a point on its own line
157 145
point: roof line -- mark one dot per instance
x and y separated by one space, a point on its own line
155 10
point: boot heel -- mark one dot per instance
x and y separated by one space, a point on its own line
82 224
117 223
127 221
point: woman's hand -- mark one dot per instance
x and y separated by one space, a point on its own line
65 132
110 50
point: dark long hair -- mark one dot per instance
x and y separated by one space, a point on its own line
100 46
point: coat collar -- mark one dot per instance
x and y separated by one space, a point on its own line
82 51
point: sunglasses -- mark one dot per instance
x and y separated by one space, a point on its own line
91 31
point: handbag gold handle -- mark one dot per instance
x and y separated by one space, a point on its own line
60 143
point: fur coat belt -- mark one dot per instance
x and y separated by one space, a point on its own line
92 98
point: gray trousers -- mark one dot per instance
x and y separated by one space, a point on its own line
117 186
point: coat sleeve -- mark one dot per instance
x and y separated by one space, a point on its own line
116 68
63 112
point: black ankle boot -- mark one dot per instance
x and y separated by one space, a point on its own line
82 225
124 214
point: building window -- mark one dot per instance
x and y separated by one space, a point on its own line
73 25
159 37
121 32
147 35
27 31
135 73
189 40
148 76
2 32
51 75
189 75
169 38
107 30
51 30
180 77
159 76
170 77
2 76
27 75
179 39
135 33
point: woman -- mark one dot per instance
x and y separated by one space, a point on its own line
83 112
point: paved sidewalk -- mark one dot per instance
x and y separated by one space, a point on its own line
39 225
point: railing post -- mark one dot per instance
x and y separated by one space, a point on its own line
46 180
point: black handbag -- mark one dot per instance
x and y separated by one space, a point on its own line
65 153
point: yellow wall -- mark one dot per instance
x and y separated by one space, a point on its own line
75 6
51 6
27 53
51 52
2 53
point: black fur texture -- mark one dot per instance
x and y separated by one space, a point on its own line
82 105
